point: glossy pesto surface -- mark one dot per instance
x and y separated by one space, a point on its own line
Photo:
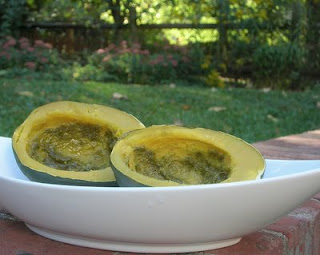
73 146
194 163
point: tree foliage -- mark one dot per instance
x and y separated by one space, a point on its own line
12 15
249 33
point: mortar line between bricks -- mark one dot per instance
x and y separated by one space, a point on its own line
279 235
301 215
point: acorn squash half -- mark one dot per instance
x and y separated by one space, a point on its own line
173 155
70 143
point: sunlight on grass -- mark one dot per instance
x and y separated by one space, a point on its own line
253 115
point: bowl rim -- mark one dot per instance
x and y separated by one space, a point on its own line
161 189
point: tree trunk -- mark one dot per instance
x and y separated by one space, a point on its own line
117 17
223 15
313 33
133 25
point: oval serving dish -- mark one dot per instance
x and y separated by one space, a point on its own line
155 219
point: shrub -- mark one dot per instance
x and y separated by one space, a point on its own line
22 53
162 67
133 64
91 72
214 80
121 61
278 66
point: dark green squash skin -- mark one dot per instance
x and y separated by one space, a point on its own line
37 176
125 181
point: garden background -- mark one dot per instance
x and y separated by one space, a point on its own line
247 67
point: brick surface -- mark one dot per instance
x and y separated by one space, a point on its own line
17 239
295 234
317 196
259 243
299 146
309 212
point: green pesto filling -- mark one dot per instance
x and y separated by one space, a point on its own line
209 165
73 147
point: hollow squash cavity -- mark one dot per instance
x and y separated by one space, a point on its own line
70 143
172 155
184 161
73 146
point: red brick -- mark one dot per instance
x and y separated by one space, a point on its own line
17 239
259 243
317 196
294 231
310 213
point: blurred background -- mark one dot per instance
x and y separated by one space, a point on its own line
272 43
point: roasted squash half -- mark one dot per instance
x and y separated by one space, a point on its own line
173 155
70 143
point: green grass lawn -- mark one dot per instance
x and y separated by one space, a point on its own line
253 115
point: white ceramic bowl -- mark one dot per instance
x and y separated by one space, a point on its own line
165 219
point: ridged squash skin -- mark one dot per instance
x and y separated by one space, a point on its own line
61 117
175 149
